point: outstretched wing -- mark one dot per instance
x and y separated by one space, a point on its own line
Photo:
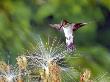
59 26
56 26
76 26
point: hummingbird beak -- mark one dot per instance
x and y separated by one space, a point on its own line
82 24
78 25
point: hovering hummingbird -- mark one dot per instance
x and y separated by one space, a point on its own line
68 29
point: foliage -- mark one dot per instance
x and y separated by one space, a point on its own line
22 20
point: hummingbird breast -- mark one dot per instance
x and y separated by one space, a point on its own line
69 37
68 31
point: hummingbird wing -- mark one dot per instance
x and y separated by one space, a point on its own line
57 26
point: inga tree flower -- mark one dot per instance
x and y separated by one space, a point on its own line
68 29
85 77
50 57
7 73
47 56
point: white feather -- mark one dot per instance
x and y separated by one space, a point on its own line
68 34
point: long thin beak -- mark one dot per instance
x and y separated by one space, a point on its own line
78 25
83 24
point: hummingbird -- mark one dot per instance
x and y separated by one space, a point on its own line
68 29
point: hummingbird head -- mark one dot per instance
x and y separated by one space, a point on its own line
63 23
78 25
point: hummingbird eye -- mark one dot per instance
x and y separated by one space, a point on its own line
67 25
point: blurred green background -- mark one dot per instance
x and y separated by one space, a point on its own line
22 20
